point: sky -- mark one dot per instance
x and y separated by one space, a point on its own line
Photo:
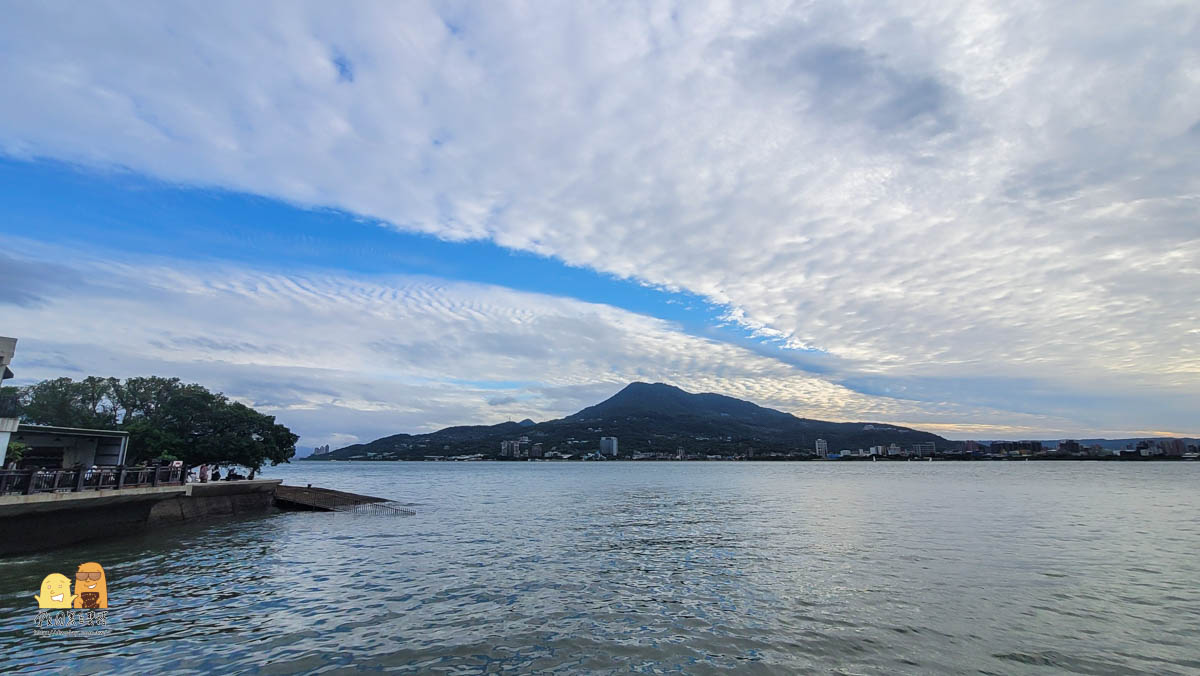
980 219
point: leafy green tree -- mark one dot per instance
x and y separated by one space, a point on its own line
14 451
165 419
139 397
66 403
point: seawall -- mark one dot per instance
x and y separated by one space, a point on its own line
31 523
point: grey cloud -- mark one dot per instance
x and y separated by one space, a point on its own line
30 283
501 401
845 83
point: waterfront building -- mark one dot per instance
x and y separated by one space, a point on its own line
608 446
510 449
924 448
66 447
822 448
9 414
1069 446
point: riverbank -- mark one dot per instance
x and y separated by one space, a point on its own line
42 521
788 458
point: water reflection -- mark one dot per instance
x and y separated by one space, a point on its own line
691 568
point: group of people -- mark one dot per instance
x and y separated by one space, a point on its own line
202 475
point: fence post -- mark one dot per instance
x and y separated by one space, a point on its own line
80 478
29 486
121 477
154 477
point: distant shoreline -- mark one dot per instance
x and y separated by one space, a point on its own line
786 459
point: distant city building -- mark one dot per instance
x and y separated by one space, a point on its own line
321 450
1069 446
608 446
1029 447
822 448
510 449
893 449
924 448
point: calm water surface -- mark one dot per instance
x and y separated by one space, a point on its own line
857 568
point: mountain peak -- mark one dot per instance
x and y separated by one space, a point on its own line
639 399
648 416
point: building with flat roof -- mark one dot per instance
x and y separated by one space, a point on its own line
608 446
922 448
65 447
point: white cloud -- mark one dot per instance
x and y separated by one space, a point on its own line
336 356
928 191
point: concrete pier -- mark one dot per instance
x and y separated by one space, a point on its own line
30 523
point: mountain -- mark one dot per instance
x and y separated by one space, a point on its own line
665 401
654 418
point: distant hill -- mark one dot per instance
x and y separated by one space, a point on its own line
1111 444
649 418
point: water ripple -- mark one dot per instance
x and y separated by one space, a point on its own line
671 568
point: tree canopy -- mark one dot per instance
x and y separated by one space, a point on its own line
165 418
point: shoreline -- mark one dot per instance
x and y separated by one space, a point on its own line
774 459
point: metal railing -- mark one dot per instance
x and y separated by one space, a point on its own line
30 481
384 508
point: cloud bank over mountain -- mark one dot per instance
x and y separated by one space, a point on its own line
987 204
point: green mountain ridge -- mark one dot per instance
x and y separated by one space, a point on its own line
649 418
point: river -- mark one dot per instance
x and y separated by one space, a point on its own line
618 567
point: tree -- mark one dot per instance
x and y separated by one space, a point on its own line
14 451
237 434
139 397
165 418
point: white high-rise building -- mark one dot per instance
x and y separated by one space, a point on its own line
822 448
608 446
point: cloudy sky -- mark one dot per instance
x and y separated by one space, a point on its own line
977 218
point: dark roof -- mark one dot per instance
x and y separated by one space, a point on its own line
69 431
